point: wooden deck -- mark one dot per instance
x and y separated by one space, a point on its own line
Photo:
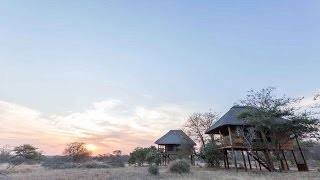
239 144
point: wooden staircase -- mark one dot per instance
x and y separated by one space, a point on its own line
262 161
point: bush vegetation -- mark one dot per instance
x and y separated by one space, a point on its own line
141 156
62 162
179 166
211 154
113 160
153 169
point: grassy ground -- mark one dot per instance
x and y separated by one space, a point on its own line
135 173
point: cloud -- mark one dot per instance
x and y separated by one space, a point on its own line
110 124
309 101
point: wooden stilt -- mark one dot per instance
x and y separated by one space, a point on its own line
294 157
249 160
244 161
224 159
232 149
285 159
259 162
302 155
227 159
255 162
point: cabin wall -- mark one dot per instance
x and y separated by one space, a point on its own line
177 149
238 142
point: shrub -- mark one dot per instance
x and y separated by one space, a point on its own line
93 164
153 157
153 169
114 160
179 166
5 154
212 155
139 154
58 162
62 162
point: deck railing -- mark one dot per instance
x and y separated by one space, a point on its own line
258 144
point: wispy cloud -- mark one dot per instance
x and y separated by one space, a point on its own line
109 124
310 101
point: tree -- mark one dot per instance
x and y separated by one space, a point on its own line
25 153
278 117
198 123
77 151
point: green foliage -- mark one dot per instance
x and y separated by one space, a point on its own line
115 159
278 115
62 162
211 154
77 151
179 166
277 119
153 157
153 169
5 154
141 155
28 152
25 153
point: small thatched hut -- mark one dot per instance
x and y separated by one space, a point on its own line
231 141
175 144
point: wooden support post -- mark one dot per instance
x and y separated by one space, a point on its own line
244 161
285 159
232 149
294 157
259 162
224 159
255 162
302 155
249 160
227 158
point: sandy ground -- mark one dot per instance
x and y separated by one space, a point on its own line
135 173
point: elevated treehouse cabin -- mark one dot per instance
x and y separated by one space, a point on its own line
228 127
175 144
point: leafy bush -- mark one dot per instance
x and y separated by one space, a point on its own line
58 162
153 157
212 155
139 155
114 160
93 164
153 169
62 162
5 154
179 166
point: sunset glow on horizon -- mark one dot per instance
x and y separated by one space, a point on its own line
104 126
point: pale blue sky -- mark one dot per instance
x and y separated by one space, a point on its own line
58 56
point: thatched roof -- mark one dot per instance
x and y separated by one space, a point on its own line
231 118
175 137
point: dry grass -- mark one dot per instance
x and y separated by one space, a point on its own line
135 173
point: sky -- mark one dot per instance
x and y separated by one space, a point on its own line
120 74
